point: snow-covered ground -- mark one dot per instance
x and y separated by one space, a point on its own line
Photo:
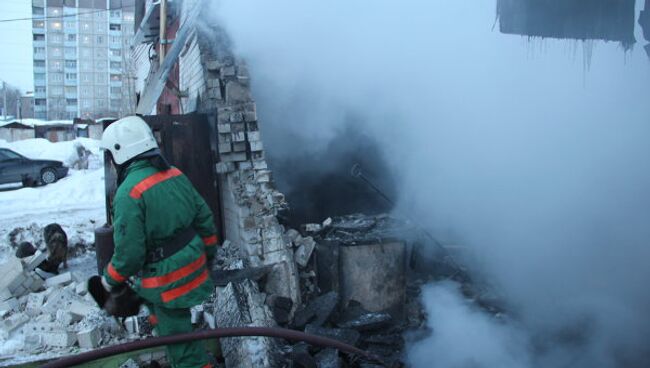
76 202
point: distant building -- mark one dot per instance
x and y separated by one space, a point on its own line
82 58
26 107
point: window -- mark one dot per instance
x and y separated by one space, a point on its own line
85 40
39 50
39 63
128 17
40 102
39 76
70 63
100 103
116 90
71 37
71 101
38 24
56 77
56 66
85 26
40 89
100 78
70 24
70 90
115 27
101 93
87 104
116 39
116 52
56 51
115 13
100 65
86 77
115 104
116 65
56 38
116 77
39 37
100 40
70 51
56 91
55 25
38 11
71 76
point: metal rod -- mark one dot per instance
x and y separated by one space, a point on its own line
277 332
163 30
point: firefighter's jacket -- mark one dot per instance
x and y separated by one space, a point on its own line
150 208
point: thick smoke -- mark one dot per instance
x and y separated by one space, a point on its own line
507 145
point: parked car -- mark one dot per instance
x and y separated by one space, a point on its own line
15 167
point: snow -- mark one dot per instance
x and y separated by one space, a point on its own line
39 148
36 122
76 202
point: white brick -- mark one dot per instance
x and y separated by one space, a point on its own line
59 280
11 270
132 325
10 305
5 294
35 303
62 339
32 262
13 322
209 319
81 288
89 339
65 318
81 309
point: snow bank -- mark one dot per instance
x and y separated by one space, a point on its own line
39 148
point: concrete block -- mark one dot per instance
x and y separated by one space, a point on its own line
209 319
130 364
35 302
225 147
224 128
250 116
236 117
5 294
132 325
234 157
244 165
240 147
59 280
254 136
66 318
11 304
89 338
305 249
260 165
225 167
62 339
213 66
37 282
81 308
228 71
256 146
237 93
196 313
238 136
81 288
263 176
10 324
12 273
32 262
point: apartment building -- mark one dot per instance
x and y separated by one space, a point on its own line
82 63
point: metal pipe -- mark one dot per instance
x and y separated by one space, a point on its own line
163 30
282 333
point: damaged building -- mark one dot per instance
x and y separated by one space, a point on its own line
608 20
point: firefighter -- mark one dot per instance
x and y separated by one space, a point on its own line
164 236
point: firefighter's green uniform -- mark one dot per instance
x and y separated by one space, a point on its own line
150 208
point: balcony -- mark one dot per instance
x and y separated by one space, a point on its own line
39 69
71 82
40 108
40 95
39 83
38 43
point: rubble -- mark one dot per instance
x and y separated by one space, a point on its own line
89 338
317 312
328 358
305 249
59 280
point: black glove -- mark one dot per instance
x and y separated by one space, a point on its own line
118 301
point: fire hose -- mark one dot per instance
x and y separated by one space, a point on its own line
277 332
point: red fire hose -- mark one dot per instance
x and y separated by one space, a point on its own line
283 333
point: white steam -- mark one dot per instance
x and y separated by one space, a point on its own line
539 166
462 335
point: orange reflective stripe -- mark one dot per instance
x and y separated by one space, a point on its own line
153 319
172 294
210 240
147 183
112 272
158 281
208 366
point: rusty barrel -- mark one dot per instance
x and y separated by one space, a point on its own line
104 246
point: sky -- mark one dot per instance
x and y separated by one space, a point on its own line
16 43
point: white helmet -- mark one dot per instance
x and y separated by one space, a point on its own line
127 138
